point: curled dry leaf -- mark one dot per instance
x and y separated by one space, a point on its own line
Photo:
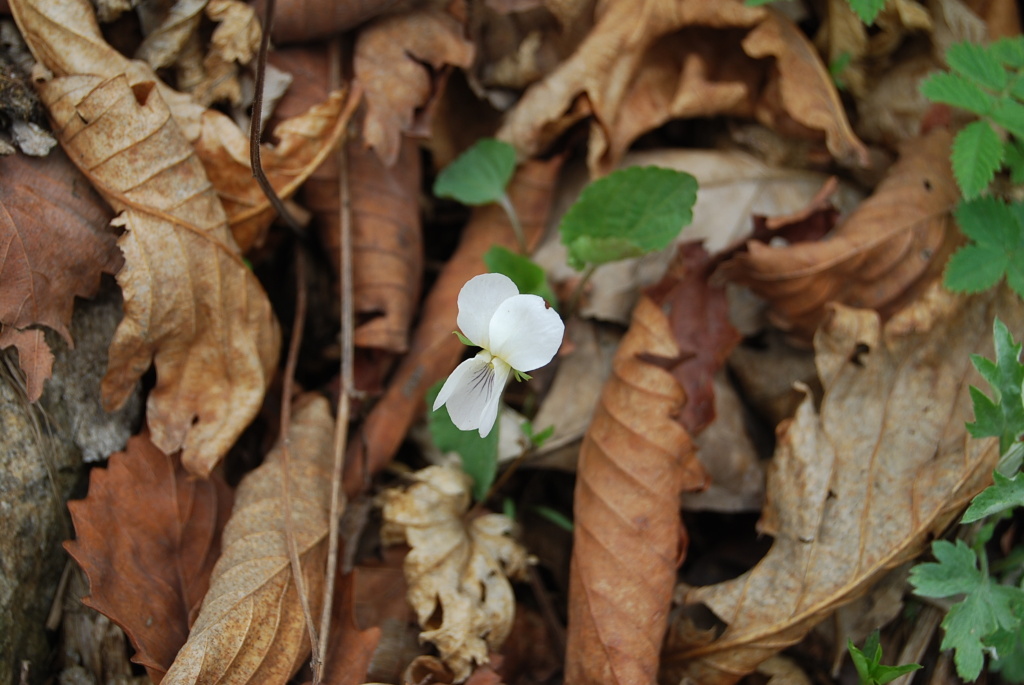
392 56
53 247
635 461
646 63
309 20
849 499
149 573
251 628
192 307
456 568
235 41
435 351
176 24
880 257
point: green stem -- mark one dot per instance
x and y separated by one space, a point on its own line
517 228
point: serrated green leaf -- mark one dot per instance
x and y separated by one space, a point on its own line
974 268
955 90
479 455
977 63
1006 493
986 607
1013 155
1009 647
524 272
986 221
867 10
630 212
1001 415
1009 51
1009 114
479 175
977 155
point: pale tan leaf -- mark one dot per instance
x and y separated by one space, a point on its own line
165 41
635 461
250 628
863 484
456 567
192 307
391 58
35 358
235 41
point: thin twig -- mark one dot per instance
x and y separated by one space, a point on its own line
347 383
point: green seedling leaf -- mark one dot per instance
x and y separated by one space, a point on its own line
1001 415
868 663
479 175
479 455
867 10
997 230
524 272
955 90
978 63
556 517
977 155
986 608
628 213
1006 493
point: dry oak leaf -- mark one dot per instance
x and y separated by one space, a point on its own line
147 537
435 352
392 56
455 567
192 307
879 257
863 484
54 245
647 62
635 461
251 628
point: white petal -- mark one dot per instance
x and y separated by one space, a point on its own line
478 300
525 332
473 391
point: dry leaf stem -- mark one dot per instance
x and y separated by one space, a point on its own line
347 383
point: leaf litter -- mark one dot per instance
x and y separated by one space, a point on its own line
867 463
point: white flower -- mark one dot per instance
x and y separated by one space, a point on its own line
518 333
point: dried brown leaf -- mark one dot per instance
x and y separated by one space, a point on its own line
879 257
457 569
192 307
54 246
635 461
391 59
863 484
147 537
309 20
435 351
251 628
165 41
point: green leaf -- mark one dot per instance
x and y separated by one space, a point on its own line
536 439
977 63
524 272
1010 115
556 517
955 90
998 232
867 10
977 155
757 3
1001 415
479 455
986 607
1013 154
1006 493
464 340
628 213
1009 51
479 175
868 663
1009 646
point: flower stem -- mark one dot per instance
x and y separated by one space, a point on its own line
517 228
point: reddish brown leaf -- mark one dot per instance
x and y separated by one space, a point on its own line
435 351
634 462
698 314
54 245
309 20
148 535
351 649
391 60
880 257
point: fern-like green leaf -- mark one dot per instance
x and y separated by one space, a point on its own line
977 155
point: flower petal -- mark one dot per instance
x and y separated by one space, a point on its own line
478 300
525 332
473 391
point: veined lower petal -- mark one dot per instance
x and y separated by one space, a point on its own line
525 332
478 300
473 392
